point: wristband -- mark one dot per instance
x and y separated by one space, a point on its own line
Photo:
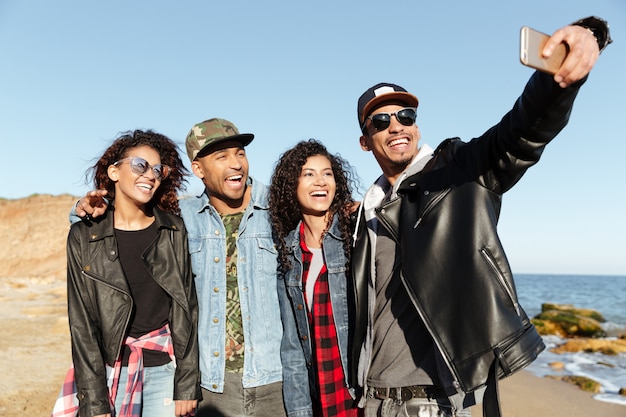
599 28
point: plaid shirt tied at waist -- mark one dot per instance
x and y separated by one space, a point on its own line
159 340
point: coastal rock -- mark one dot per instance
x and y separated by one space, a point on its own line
604 346
565 320
583 312
584 383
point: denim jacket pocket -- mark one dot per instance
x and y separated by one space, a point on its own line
267 256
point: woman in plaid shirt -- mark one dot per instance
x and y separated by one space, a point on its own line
310 214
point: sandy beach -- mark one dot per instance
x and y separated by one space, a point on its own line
35 350
525 395
35 345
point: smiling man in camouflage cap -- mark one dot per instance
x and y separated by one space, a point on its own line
234 260
210 132
216 150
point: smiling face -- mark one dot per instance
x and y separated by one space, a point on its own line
316 186
130 187
394 147
224 173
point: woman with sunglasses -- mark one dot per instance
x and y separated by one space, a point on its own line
131 296
310 207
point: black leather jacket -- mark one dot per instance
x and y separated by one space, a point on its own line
452 263
100 305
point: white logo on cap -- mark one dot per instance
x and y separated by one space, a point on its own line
383 90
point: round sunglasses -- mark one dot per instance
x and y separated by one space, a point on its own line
381 121
140 166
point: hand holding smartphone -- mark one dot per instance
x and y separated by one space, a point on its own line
531 45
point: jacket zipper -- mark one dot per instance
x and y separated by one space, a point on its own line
184 306
121 342
432 334
430 206
143 260
501 279
438 343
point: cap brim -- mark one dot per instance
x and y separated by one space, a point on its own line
243 138
406 98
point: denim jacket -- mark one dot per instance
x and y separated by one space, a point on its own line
299 378
256 274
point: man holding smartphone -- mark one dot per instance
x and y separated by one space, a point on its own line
438 320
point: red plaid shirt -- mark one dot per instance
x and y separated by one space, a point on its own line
334 397
159 340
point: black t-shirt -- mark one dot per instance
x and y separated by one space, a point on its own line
151 303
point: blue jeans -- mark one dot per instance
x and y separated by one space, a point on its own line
237 401
417 407
158 390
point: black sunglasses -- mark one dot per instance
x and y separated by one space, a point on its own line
140 166
381 121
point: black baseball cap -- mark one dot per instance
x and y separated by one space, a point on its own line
382 92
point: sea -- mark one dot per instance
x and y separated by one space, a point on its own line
606 294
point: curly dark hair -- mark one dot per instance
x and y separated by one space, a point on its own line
166 197
285 213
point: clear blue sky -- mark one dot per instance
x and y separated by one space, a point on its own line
76 73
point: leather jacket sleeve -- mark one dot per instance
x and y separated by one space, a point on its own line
89 366
498 158
187 376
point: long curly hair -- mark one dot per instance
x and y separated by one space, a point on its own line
285 213
166 196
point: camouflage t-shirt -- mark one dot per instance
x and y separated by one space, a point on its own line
234 323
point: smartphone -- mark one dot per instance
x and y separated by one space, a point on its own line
531 45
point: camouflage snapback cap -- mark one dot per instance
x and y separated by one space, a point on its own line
208 133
